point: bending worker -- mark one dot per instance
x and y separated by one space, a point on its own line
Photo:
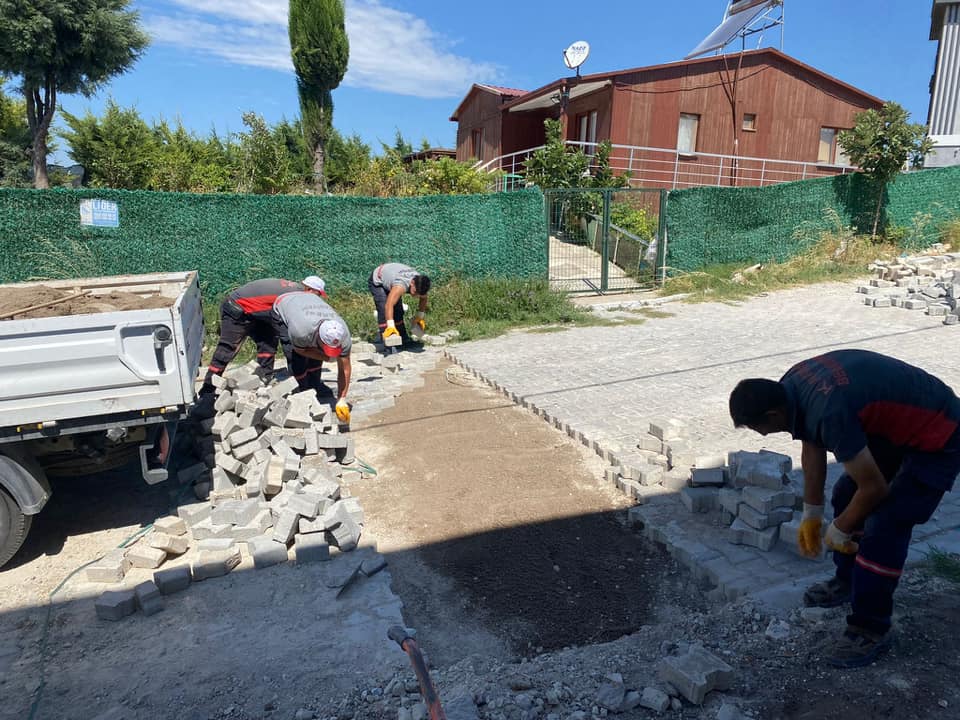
311 332
247 312
894 428
388 284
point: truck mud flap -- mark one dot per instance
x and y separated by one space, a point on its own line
155 455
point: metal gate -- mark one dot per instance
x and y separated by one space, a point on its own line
606 240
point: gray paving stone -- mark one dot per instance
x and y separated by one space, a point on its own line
171 580
695 673
115 604
148 597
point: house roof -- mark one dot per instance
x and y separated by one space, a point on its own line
503 92
609 76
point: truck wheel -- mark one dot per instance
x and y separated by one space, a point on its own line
14 526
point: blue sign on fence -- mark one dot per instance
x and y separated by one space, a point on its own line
99 213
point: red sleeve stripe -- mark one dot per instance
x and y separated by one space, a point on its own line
877 568
908 425
258 303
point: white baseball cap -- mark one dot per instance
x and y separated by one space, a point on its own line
332 335
315 283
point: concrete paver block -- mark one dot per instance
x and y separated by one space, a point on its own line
111 568
115 604
172 544
267 552
170 525
651 443
142 555
668 429
311 547
742 534
696 673
148 597
205 530
285 526
730 499
214 563
171 580
765 500
762 521
654 699
708 477
346 535
700 500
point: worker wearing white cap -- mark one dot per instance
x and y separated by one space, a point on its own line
246 313
314 332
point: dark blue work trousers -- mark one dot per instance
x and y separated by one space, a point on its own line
875 570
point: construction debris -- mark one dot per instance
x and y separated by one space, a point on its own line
930 283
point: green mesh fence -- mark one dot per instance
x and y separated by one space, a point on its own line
712 225
231 239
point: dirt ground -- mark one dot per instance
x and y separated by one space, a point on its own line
12 300
500 531
507 552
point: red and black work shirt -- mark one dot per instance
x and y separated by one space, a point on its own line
846 400
257 298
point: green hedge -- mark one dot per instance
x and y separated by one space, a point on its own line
231 239
711 225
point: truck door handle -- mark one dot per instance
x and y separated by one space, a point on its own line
161 338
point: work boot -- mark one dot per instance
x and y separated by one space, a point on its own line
858 647
832 593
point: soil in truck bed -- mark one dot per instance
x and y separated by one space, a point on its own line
65 302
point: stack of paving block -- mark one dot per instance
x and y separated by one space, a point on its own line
760 499
930 283
666 461
273 461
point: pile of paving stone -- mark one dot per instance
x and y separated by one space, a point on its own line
930 283
268 479
751 491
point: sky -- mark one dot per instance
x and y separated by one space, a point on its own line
412 61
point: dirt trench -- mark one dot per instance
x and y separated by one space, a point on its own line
503 538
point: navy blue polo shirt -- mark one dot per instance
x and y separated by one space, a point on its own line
846 400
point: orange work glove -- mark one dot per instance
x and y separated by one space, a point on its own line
811 530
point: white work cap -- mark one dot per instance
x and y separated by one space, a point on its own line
315 283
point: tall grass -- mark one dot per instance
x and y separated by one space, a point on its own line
836 254
475 308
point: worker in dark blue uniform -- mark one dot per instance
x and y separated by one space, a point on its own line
894 427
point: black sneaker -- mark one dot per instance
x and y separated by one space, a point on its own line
832 593
858 647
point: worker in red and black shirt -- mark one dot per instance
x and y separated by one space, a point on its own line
247 312
894 427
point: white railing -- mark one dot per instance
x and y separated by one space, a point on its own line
662 168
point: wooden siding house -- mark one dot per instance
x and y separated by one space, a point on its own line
759 104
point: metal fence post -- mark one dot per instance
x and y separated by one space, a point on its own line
605 242
547 208
661 262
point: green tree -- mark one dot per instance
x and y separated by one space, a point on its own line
320 50
185 162
14 141
555 165
117 150
881 144
64 46
265 164
446 176
347 158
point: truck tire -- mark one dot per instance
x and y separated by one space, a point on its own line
14 526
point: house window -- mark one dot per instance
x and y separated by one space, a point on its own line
750 122
830 151
476 143
587 131
687 134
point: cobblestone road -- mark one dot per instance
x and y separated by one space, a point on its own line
606 383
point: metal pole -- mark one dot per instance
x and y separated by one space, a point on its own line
661 261
605 242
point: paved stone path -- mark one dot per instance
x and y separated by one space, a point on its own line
604 384
574 267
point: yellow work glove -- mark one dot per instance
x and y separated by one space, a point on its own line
840 541
390 330
811 530
343 411
420 322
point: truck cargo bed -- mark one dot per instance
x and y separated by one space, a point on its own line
64 372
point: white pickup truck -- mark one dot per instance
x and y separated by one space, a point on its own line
89 390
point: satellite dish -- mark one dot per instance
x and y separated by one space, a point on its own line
575 55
